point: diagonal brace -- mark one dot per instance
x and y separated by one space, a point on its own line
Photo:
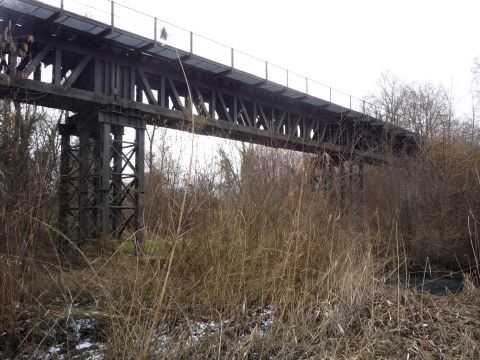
147 88
77 72
37 59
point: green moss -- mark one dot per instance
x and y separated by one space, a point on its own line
150 246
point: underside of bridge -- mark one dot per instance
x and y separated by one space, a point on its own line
109 79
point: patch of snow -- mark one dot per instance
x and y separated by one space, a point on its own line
267 319
54 349
84 345
84 324
199 329
95 357
160 341
81 327
89 351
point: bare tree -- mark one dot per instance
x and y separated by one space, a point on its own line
475 93
425 109
151 139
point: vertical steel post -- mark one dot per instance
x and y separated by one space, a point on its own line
266 70
155 31
140 173
12 58
117 149
138 94
234 110
287 78
37 73
63 189
232 57
112 15
104 183
113 78
306 85
163 98
62 4
213 105
57 68
83 183
191 42
131 87
98 74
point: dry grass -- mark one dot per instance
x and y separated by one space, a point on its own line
260 268
434 198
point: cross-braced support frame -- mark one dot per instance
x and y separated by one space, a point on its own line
101 180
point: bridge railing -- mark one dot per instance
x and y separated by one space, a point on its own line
124 17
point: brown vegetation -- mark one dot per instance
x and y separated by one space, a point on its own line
258 266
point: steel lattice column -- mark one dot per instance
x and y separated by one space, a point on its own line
63 189
89 180
105 156
102 176
140 172
116 183
69 175
83 183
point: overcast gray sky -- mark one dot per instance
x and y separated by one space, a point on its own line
343 43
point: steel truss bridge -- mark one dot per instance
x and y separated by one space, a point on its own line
110 79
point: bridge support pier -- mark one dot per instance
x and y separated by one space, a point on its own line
101 176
